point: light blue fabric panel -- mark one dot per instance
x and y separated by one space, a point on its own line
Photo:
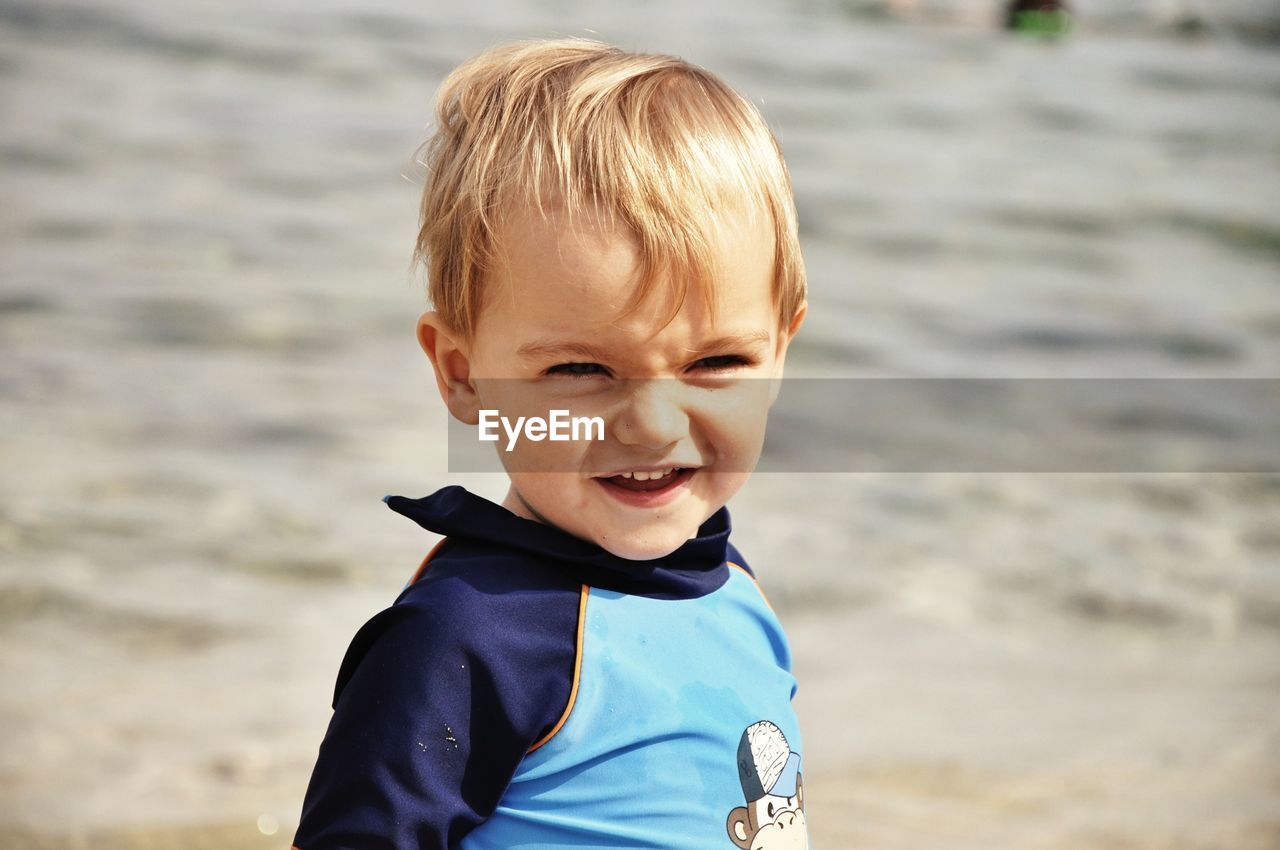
649 754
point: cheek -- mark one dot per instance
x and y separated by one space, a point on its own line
560 500
720 487
734 426
534 460
550 493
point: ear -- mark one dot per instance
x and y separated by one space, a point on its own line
739 827
784 340
451 360
785 337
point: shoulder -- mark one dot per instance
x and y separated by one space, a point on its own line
510 619
467 571
438 699
484 596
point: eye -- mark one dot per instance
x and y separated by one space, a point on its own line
577 370
721 362
771 811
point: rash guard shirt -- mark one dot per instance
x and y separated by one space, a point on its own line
530 689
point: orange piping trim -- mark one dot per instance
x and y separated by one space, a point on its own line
422 568
577 671
756 583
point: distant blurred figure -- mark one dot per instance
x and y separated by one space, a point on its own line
1038 17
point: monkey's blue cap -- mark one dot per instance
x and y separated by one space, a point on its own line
766 764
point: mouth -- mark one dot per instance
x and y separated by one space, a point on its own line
647 487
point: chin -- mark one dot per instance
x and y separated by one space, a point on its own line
645 547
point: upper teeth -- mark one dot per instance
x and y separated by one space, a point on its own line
641 475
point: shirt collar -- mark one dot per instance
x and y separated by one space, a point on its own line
696 568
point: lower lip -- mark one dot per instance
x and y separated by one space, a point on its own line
650 498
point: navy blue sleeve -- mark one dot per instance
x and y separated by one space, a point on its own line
438 699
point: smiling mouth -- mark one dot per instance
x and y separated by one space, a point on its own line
632 482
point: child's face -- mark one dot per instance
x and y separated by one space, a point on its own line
690 395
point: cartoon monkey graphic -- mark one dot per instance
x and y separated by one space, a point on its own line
773 818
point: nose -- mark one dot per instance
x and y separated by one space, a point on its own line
652 416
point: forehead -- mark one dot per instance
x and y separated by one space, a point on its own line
556 274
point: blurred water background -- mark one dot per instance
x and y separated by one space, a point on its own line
209 379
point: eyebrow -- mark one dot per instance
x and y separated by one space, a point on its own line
748 339
551 349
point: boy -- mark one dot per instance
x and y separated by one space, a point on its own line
590 663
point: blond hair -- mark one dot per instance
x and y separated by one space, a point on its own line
658 144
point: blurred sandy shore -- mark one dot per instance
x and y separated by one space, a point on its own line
208 380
